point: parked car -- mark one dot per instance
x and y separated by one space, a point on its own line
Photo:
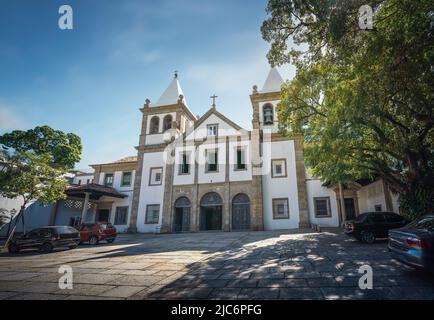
46 239
95 232
414 244
370 226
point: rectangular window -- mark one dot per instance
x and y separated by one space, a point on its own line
240 161
126 179
156 176
121 216
184 166
211 160
79 182
378 208
278 168
212 130
108 180
88 181
152 214
280 208
322 207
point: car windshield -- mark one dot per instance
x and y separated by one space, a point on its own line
425 223
65 229
106 225
362 216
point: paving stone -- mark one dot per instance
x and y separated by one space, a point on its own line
86 290
276 283
300 294
141 281
6 295
241 283
224 293
259 293
38 296
295 264
16 276
122 292
95 278
277 275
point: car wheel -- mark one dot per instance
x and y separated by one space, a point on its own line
93 240
13 248
110 240
368 237
47 247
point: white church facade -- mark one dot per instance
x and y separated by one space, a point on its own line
194 174
207 173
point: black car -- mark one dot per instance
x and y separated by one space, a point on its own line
46 239
414 244
370 226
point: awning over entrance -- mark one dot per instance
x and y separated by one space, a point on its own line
95 191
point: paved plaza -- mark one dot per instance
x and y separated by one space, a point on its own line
218 265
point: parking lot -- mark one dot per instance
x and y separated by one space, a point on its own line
238 265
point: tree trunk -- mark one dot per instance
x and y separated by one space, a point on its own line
19 215
342 204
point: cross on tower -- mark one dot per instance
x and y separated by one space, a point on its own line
213 97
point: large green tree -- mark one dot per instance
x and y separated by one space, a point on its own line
35 164
362 99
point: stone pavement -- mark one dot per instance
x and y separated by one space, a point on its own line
239 265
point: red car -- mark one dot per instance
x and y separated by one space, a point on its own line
95 232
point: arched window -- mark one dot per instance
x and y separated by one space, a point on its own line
211 199
182 202
241 212
241 198
167 122
155 125
267 112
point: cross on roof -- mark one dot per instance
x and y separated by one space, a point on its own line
213 97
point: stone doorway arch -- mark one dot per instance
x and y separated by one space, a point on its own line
181 217
241 212
211 212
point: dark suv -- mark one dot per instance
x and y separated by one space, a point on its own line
46 239
370 226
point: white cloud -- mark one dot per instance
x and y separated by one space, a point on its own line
10 119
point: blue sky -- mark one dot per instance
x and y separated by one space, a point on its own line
93 79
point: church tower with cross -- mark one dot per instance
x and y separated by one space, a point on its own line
162 121
208 173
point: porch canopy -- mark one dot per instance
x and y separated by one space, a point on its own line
92 191
95 191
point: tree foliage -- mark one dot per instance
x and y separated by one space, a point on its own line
35 164
362 99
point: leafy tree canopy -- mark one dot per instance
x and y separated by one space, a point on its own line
64 148
35 163
362 99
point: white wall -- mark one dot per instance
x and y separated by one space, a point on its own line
126 202
83 179
315 189
224 129
280 187
150 194
184 179
239 175
212 177
371 195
